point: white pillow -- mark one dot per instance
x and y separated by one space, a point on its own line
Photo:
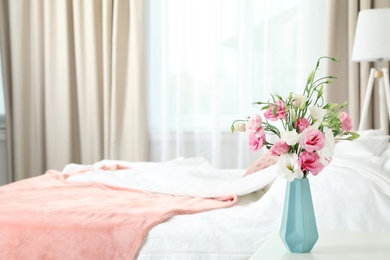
386 152
371 132
372 145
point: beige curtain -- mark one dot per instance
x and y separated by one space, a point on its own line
74 82
352 77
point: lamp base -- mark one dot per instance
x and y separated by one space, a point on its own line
383 76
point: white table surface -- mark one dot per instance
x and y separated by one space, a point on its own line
331 245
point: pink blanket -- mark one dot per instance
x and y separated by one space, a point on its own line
46 217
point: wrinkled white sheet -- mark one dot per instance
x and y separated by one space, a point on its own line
193 177
352 193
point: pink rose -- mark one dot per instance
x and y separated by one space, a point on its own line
257 140
279 148
313 140
302 124
310 162
345 122
254 124
280 111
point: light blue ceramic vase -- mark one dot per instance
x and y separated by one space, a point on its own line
298 229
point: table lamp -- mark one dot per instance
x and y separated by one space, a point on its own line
372 43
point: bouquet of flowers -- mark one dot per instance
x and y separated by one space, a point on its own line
310 127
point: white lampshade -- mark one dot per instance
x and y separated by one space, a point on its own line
372 36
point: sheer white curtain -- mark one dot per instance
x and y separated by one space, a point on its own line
210 59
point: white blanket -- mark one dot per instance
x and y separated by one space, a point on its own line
187 177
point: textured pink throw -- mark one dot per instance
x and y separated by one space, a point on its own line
48 218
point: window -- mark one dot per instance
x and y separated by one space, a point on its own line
210 59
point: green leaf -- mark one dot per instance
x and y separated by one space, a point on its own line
279 97
259 103
331 106
343 104
293 116
321 90
274 111
310 78
353 136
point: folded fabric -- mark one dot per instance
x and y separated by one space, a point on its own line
265 160
180 177
47 217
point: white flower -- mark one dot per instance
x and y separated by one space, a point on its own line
326 153
288 167
318 113
239 126
299 100
290 137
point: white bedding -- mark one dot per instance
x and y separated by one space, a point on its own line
193 177
352 193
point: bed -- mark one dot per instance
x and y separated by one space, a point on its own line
240 214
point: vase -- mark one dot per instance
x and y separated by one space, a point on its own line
298 229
